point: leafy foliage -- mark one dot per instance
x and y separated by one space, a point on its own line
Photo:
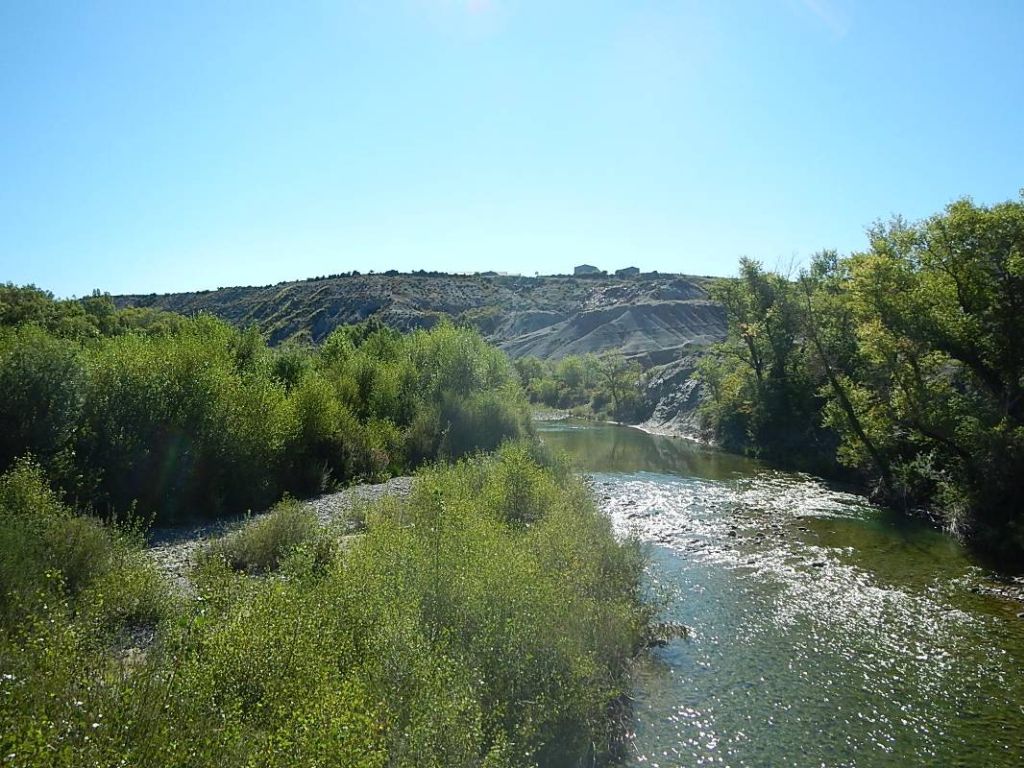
907 359
761 394
265 543
48 555
607 386
198 419
487 620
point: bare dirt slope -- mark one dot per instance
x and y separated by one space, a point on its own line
652 317
657 331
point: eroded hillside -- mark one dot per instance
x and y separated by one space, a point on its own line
655 318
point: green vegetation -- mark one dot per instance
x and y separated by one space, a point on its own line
79 319
49 556
904 364
606 386
487 620
188 417
263 544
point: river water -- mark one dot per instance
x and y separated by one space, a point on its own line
824 630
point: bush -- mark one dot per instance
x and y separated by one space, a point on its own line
263 543
171 422
291 364
42 381
605 387
40 538
486 578
487 620
47 553
324 440
481 422
198 419
82 548
28 511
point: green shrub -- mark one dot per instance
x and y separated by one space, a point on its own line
42 381
385 449
48 553
248 446
171 423
607 387
424 435
486 620
42 538
290 364
327 443
28 511
131 592
28 305
82 547
481 421
494 597
198 419
263 543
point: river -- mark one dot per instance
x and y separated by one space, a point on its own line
824 630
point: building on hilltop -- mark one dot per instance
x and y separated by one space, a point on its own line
586 269
627 272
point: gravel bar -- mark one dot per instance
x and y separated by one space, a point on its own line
175 550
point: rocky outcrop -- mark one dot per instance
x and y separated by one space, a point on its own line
674 395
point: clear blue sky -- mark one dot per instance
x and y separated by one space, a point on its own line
161 146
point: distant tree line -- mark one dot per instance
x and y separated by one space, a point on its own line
606 386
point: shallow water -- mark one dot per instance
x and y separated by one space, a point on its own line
825 630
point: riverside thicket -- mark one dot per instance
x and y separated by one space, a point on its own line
903 364
487 620
189 417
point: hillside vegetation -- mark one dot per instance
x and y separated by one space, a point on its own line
903 365
488 619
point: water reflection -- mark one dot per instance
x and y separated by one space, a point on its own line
610 448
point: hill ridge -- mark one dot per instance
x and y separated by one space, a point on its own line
655 317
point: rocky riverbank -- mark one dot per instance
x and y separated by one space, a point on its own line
176 550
